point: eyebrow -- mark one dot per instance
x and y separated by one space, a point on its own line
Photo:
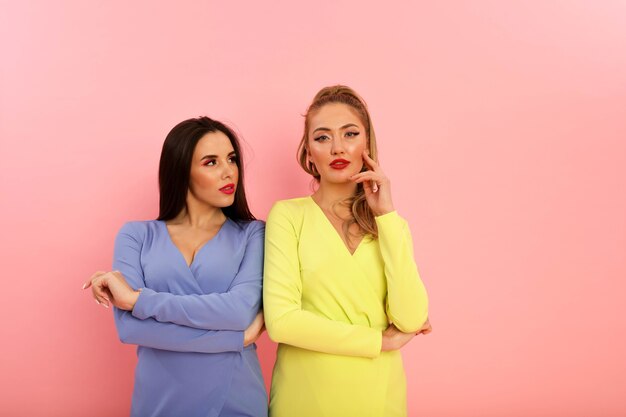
215 156
325 129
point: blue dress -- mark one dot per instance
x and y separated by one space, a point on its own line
188 321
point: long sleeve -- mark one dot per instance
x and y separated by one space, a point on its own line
285 319
149 332
231 310
407 301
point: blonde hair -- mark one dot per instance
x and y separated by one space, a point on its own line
361 213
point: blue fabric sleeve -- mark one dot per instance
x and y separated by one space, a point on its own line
149 332
231 310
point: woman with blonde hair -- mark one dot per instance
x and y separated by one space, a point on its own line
342 293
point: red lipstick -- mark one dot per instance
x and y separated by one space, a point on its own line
339 163
228 189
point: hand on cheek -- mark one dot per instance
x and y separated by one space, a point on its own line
376 186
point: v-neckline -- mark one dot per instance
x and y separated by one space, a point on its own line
200 248
336 233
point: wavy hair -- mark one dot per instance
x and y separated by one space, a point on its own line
361 213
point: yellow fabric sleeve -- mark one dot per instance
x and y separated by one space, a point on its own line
285 319
407 300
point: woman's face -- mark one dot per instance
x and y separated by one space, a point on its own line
214 172
336 139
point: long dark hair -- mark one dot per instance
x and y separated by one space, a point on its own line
175 168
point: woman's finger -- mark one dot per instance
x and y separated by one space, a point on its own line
108 296
367 187
362 174
94 276
372 184
101 301
105 297
369 161
425 330
367 175
378 177
97 289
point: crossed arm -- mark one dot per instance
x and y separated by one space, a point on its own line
210 323
288 323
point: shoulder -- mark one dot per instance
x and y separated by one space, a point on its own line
288 215
248 229
138 230
294 207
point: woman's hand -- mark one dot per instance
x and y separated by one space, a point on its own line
426 328
111 287
252 333
376 186
394 339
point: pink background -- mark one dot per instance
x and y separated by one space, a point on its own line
502 127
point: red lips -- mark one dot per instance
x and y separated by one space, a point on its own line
228 189
339 163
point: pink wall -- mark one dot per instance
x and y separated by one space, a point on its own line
502 128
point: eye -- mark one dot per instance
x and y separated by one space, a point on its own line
352 134
321 138
209 162
232 159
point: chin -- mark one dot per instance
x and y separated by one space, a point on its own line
224 201
339 177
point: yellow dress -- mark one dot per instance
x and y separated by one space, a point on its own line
327 309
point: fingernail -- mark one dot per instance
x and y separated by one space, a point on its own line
97 302
84 285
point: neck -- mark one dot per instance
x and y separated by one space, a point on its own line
330 193
200 215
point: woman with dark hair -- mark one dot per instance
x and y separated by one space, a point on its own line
342 293
187 287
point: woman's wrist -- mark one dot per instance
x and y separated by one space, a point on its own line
386 344
384 211
133 298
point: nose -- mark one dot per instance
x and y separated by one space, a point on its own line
228 171
337 146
